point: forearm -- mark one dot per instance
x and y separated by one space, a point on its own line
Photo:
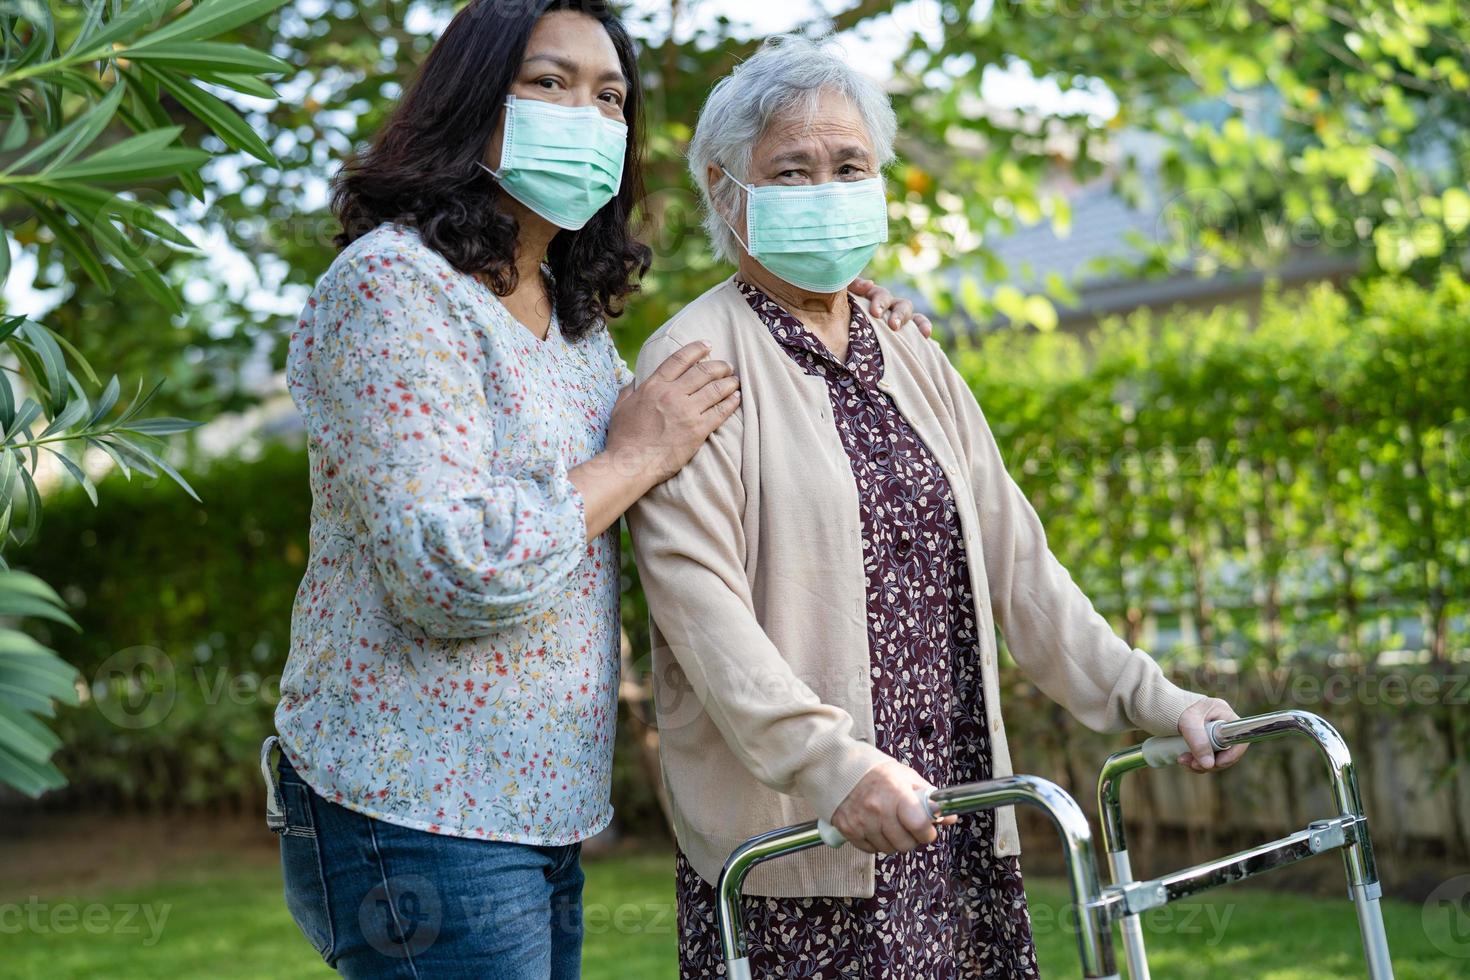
610 483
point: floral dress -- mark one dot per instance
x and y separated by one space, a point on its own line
952 909
454 642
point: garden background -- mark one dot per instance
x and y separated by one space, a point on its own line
1244 420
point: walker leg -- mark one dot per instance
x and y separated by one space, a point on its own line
1375 940
1133 949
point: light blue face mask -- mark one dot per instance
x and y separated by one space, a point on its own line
563 163
815 236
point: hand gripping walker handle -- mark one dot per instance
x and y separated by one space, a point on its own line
832 837
1165 750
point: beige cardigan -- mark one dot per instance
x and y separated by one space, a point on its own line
751 559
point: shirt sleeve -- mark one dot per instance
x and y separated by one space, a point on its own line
1051 628
690 546
465 537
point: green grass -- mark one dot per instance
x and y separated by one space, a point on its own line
225 921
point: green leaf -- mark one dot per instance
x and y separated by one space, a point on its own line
17 133
74 137
49 675
77 473
7 404
25 736
143 14
197 56
212 18
216 114
90 23
128 255
4 256
25 583
117 457
68 417
17 643
52 361
33 505
23 697
247 84
17 604
27 775
161 426
105 403
71 242
38 14
91 205
159 462
76 356
110 168
29 409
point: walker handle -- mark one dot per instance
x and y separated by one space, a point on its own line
832 837
1165 750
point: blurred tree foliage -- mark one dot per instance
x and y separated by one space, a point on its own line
80 96
1287 123
1284 499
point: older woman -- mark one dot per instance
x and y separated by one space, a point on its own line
826 575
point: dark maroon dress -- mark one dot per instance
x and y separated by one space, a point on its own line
952 909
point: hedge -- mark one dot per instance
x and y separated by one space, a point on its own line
1277 497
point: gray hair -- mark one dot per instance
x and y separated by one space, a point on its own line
788 72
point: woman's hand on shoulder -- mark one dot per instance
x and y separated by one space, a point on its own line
889 309
657 426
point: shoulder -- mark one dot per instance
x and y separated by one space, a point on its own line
713 318
384 274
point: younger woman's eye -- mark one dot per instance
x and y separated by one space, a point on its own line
611 98
547 83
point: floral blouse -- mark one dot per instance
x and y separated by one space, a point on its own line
454 642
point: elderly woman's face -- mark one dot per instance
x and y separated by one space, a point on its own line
829 144
800 147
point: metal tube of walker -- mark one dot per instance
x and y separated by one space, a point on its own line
1362 874
1094 935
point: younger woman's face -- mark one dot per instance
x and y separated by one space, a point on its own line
569 61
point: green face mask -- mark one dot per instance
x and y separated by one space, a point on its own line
816 236
563 163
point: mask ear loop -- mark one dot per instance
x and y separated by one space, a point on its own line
505 138
749 194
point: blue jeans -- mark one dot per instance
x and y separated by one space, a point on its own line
382 901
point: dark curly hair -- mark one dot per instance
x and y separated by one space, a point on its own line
422 171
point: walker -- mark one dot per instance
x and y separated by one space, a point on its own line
1098 907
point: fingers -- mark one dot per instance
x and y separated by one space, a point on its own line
1192 727
721 410
925 327
714 392
1230 756
899 313
702 374
861 287
917 821
682 360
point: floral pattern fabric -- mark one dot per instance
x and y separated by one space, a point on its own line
952 909
454 642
